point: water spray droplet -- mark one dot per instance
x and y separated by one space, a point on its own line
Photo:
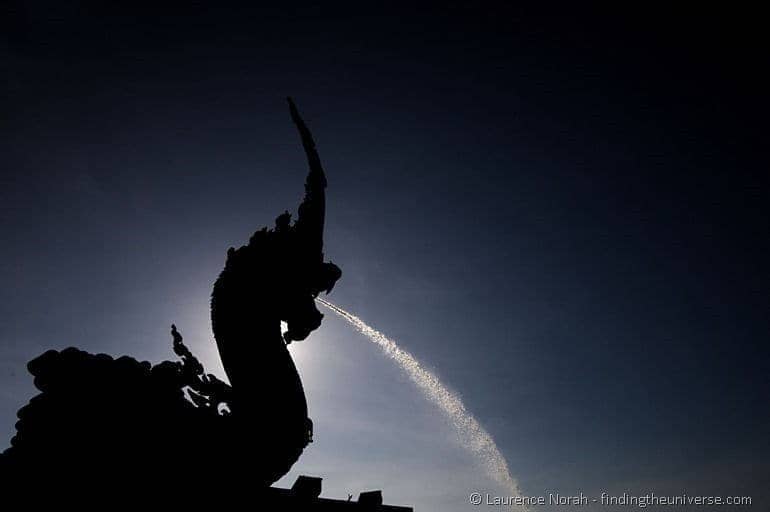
472 435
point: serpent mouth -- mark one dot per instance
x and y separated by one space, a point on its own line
304 319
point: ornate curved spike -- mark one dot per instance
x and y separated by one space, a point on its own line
311 213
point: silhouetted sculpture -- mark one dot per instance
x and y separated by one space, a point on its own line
128 432
275 277
120 425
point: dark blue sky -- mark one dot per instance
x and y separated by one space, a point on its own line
563 213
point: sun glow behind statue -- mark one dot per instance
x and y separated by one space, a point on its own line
472 435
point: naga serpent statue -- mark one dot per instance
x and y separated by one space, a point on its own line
119 424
